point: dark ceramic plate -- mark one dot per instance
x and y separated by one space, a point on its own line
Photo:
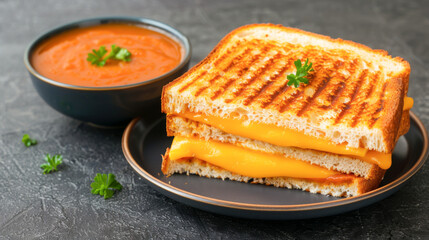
143 146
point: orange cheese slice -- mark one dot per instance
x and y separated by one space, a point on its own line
383 160
275 135
243 161
289 138
408 103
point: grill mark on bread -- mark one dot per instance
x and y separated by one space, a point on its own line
283 89
346 107
223 89
278 91
310 100
195 79
224 70
286 104
333 98
200 90
268 66
363 105
268 84
380 105
357 116
183 88
338 93
372 84
215 63
319 89
242 85
230 81
256 76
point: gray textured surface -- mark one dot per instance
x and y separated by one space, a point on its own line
60 205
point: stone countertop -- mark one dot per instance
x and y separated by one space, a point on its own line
60 205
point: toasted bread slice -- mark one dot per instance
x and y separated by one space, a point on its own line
178 126
345 187
354 96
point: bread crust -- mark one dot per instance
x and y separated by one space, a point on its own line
392 117
350 186
405 124
388 123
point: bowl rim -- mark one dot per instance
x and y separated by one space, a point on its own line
183 40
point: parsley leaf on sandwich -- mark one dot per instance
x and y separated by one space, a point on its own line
51 163
117 53
104 184
301 73
28 141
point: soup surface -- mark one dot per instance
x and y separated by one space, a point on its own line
63 57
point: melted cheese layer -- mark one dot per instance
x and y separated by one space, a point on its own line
408 103
289 138
383 160
245 161
275 135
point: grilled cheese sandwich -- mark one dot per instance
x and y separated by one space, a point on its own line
234 116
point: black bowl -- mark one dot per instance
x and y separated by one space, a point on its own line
107 106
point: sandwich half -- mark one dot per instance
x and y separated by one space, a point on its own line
234 115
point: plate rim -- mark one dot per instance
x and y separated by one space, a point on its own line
266 207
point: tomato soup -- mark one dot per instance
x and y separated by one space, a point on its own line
63 57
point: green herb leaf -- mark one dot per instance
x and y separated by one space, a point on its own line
96 57
117 53
103 185
51 163
123 54
301 73
28 141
